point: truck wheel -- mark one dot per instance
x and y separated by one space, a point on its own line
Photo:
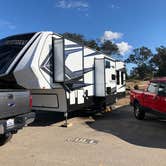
5 138
138 112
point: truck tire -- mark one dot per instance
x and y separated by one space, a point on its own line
138 112
5 138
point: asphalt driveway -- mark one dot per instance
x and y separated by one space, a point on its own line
114 139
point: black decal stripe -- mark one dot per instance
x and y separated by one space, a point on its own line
72 45
13 68
67 52
92 54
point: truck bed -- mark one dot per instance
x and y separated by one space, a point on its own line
14 102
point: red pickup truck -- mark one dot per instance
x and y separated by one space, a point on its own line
152 99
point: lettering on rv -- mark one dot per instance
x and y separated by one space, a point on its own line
15 42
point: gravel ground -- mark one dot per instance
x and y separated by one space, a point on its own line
114 139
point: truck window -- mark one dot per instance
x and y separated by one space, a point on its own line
152 88
9 49
162 89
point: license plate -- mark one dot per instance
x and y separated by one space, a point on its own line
10 122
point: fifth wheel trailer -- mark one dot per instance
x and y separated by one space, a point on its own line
62 75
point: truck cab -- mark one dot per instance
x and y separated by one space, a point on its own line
152 99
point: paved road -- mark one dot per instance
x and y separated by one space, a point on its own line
112 140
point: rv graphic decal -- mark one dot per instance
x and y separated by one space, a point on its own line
72 79
71 45
92 54
47 64
67 52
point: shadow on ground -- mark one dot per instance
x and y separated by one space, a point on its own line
44 118
150 132
47 118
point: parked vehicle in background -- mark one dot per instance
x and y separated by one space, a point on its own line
152 99
15 106
15 101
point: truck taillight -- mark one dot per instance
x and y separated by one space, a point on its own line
30 101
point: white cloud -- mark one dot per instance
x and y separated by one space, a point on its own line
86 14
123 47
7 24
112 6
67 4
109 35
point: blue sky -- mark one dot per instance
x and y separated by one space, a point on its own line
129 23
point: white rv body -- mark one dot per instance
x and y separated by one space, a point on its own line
63 75
121 79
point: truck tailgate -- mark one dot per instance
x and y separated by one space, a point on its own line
13 102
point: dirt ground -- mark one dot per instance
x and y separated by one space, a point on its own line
113 139
141 84
123 101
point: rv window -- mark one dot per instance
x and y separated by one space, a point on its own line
117 77
9 49
108 90
122 78
107 64
113 77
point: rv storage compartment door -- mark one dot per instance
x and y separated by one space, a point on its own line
99 77
58 59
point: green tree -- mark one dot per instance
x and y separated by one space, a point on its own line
109 47
141 57
159 61
92 44
143 71
75 37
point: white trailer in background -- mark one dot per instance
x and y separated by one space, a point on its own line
62 75
120 79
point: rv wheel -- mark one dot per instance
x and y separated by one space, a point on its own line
5 138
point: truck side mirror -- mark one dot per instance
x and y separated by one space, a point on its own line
58 60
